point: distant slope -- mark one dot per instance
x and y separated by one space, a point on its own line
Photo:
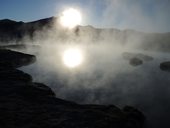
16 31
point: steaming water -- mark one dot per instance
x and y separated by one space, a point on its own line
109 79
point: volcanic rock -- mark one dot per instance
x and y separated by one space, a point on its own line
165 66
129 56
135 61
9 59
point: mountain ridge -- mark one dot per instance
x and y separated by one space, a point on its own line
13 31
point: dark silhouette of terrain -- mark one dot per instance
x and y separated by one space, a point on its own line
26 104
16 31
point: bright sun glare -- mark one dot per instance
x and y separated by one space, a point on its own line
70 18
72 57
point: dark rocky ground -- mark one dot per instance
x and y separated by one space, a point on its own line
26 104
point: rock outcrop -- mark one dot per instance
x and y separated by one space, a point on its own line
135 61
9 59
165 66
128 56
25 104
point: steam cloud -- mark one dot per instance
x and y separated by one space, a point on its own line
105 77
145 15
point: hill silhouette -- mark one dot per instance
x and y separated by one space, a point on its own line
15 31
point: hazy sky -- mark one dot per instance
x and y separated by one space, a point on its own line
144 15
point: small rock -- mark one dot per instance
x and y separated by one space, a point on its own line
165 66
128 56
135 61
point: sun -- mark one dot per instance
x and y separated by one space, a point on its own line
72 57
70 18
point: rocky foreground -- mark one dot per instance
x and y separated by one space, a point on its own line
25 104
